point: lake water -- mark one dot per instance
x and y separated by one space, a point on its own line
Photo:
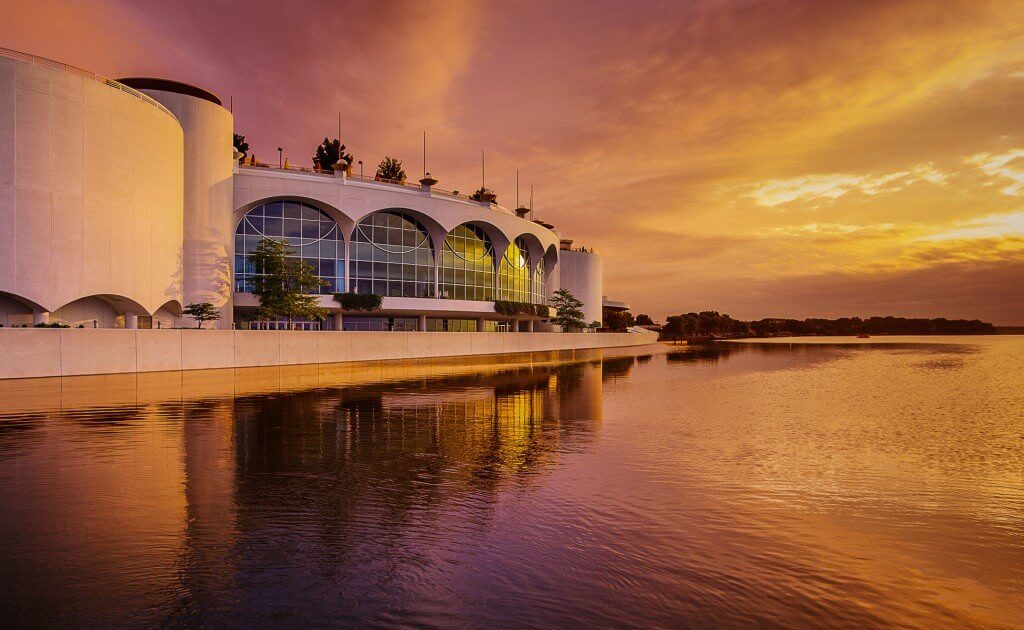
810 483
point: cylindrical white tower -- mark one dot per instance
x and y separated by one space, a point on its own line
581 273
90 198
209 164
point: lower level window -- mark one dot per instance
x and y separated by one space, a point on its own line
437 324
298 323
380 323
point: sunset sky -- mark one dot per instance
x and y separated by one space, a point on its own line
758 158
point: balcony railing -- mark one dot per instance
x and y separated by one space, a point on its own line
307 170
57 65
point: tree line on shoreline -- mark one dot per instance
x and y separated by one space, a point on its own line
709 324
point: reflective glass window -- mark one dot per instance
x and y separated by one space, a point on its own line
391 256
310 233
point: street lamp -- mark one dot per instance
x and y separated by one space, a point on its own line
360 168
280 163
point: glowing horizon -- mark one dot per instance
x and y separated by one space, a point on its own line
788 159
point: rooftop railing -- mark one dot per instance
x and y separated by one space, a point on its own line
57 65
248 163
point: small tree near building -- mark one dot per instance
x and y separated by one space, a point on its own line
568 311
283 284
202 312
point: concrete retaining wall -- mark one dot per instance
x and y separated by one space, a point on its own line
35 352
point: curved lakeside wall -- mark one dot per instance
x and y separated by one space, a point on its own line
91 184
33 352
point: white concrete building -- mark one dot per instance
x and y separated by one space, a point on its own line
123 201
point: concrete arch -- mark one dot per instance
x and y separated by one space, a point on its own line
346 224
551 270
435 230
167 315
173 307
16 310
24 301
534 247
101 311
499 241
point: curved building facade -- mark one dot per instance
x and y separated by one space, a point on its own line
208 162
91 210
121 202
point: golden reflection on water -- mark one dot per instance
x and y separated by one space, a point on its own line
137 488
779 483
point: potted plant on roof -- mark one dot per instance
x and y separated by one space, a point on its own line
428 180
241 148
331 154
485 195
390 170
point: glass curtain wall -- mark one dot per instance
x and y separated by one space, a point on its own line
466 267
311 235
391 255
537 286
380 323
514 273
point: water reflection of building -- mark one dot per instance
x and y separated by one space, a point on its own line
321 480
206 496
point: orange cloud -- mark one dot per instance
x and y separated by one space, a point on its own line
787 158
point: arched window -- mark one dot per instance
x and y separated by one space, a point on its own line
514 273
537 286
391 256
467 265
310 233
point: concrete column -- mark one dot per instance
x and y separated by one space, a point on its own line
338 321
423 323
131 321
513 326
480 321
529 325
40 317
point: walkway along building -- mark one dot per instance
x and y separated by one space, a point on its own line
122 201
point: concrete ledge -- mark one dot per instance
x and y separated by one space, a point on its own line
33 352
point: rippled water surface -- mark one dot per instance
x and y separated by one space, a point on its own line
771 483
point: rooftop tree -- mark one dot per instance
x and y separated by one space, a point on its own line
241 146
484 194
390 169
327 154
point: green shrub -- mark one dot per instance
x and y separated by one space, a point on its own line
513 309
359 301
51 325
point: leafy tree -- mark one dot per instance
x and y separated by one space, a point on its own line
284 284
568 310
390 169
241 146
202 312
644 320
328 152
617 321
